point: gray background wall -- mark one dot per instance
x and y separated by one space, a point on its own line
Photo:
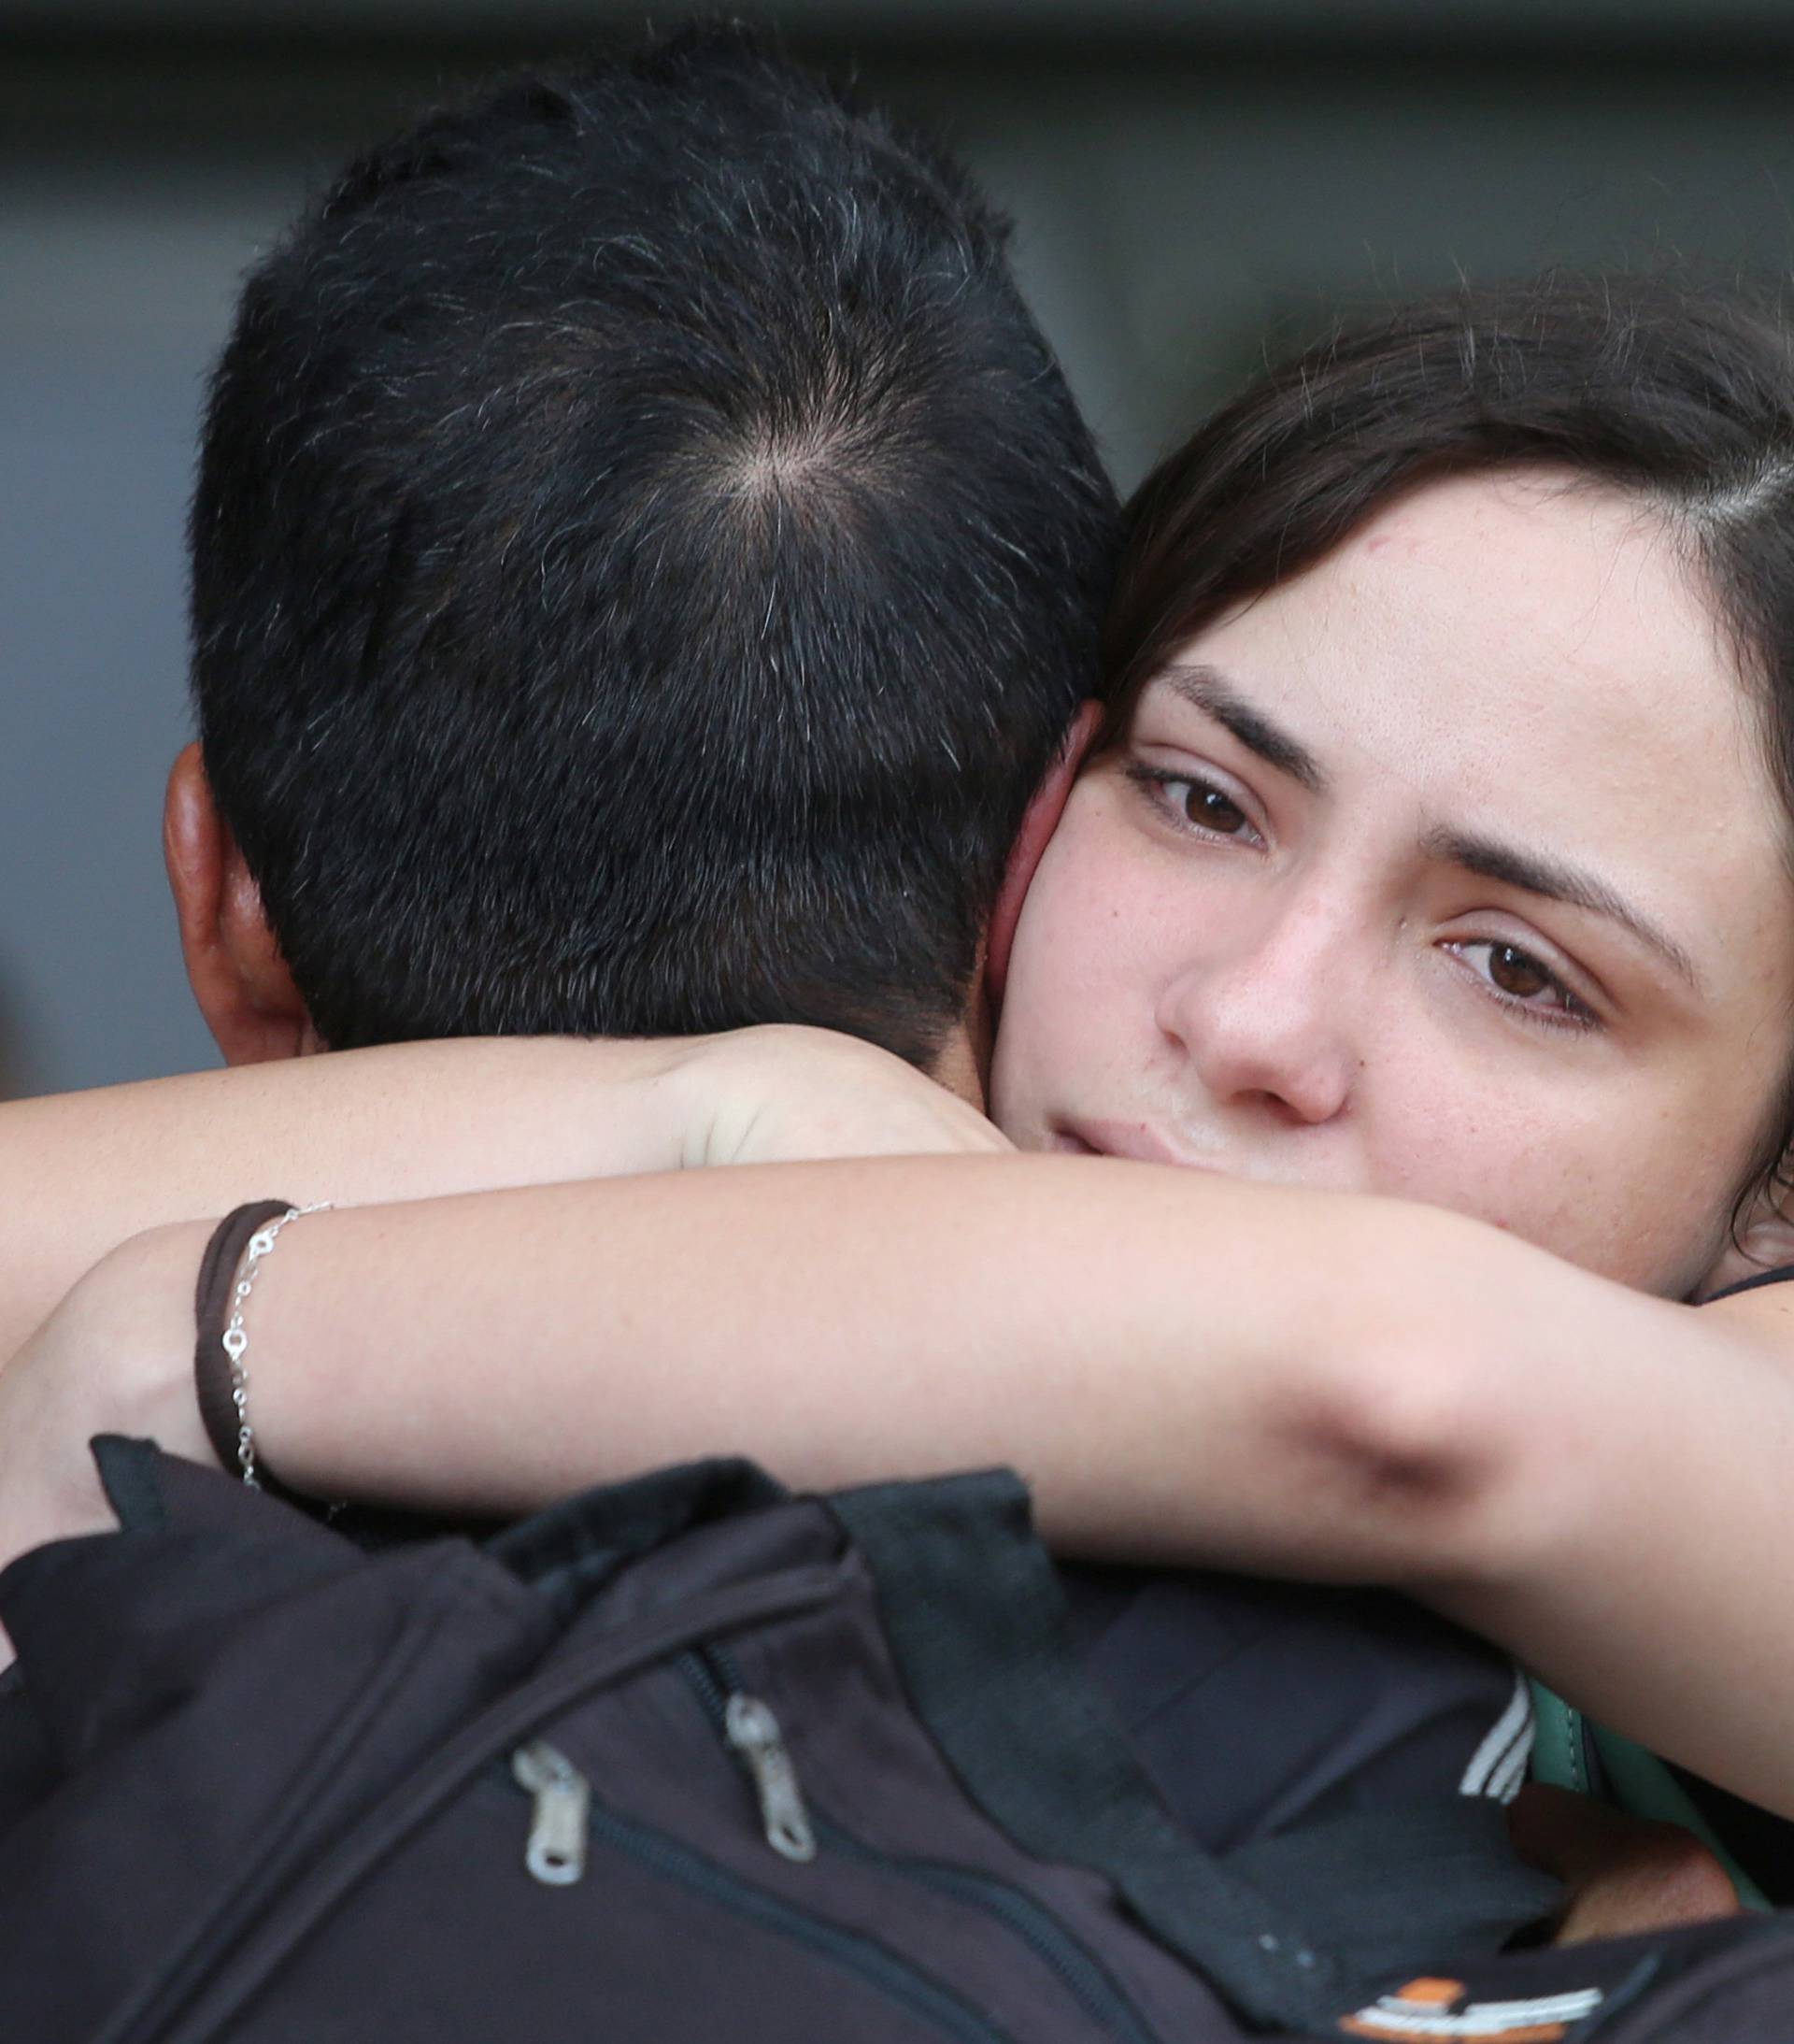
1192 180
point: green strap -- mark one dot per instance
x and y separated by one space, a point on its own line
1560 1748
1635 1780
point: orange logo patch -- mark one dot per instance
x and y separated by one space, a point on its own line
1428 2011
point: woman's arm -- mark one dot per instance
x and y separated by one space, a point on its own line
410 1121
1649 1588
1113 1329
1185 1369
85 1170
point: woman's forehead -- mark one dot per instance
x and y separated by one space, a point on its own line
1491 630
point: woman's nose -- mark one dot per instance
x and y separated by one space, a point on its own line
1270 1021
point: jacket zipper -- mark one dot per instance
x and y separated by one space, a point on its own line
716 1677
923 1996
239 1967
752 1734
555 1851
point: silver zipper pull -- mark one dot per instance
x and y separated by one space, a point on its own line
556 1853
753 1732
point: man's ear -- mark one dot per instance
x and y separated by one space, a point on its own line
1037 826
1763 1239
233 965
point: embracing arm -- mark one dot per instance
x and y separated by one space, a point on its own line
1644 1569
1184 1368
1120 1332
86 1170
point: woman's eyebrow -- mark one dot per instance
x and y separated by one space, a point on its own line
1535 874
1207 690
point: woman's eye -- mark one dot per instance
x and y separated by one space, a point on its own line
1516 972
1210 808
1527 983
1189 800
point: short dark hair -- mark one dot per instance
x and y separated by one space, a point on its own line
1679 397
644 557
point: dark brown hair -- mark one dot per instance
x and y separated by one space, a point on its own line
1682 399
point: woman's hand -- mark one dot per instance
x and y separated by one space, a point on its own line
786 1094
115 1356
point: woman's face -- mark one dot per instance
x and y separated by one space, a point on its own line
1451 870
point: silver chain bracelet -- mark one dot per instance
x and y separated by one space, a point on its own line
235 1341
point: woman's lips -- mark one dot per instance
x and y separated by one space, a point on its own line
1139 1141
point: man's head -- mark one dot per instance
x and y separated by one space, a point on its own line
643 558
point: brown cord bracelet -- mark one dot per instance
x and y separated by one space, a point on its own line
212 1299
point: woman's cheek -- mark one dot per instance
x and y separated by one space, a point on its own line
1059 1032
1594 1185
1023 1053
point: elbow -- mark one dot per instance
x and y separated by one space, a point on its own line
1410 1430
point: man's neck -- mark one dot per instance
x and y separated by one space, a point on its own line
963 1061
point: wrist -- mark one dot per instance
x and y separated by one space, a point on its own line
707 1096
115 1356
126 1341
633 1105
677 1100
